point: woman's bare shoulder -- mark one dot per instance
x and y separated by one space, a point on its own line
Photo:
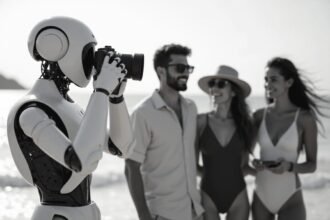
307 118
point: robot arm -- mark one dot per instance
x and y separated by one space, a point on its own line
36 124
121 133
90 139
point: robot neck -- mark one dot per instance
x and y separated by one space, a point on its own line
51 71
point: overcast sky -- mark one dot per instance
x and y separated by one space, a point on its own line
244 34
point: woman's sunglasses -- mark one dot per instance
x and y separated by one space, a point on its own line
181 68
219 83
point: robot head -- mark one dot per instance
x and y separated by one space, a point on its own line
68 42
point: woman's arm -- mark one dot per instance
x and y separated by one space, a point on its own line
200 127
246 168
309 141
256 163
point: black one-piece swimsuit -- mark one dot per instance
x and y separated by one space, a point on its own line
222 178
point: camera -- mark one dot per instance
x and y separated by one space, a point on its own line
133 63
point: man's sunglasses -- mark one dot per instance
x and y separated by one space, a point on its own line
181 68
219 83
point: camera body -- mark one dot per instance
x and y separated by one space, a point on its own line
133 63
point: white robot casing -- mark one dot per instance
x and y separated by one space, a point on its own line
44 91
71 114
62 40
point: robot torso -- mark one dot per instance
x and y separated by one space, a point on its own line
36 166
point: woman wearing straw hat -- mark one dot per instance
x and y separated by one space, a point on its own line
224 140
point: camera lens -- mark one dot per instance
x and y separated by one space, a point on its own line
134 65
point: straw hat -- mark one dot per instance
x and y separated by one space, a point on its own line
226 73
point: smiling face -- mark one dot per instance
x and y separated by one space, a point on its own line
175 79
275 84
221 91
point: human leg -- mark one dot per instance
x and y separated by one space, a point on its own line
211 211
240 208
259 211
294 208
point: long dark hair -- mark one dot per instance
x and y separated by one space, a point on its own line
242 117
301 92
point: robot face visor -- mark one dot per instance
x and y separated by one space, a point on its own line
88 55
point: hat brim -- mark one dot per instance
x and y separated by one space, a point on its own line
244 86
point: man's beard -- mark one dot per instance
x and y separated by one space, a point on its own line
175 84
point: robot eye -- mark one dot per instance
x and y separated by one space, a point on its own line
88 59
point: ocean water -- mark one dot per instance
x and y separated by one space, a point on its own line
109 189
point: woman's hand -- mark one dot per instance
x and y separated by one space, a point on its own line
258 165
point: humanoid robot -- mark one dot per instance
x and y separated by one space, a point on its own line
55 144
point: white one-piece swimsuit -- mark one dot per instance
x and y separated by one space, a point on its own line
275 189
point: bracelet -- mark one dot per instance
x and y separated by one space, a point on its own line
102 90
116 100
291 167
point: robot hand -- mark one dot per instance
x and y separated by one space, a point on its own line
111 75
